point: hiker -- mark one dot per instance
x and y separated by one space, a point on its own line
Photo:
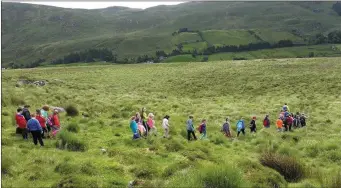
144 118
281 115
279 124
151 124
165 125
290 121
285 120
42 122
44 112
137 117
133 127
266 121
286 108
34 127
302 120
55 122
202 129
296 122
26 113
190 128
226 128
240 126
21 123
142 130
253 125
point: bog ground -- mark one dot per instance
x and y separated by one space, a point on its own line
111 94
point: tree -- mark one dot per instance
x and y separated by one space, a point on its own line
337 8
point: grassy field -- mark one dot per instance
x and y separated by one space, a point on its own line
231 37
212 90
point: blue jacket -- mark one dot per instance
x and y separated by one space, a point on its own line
33 125
133 126
190 125
240 125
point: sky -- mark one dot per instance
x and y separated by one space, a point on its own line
95 5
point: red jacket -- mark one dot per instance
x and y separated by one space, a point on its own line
290 120
42 121
55 119
20 120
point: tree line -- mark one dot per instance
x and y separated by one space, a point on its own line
333 37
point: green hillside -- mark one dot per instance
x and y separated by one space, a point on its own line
30 31
111 94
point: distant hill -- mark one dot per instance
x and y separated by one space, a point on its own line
30 32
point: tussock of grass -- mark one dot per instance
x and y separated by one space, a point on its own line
73 127
289 167
71 110
70 142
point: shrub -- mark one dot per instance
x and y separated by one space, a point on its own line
145 172
239 58
171 169
336 181
66 168
71 111
287 166
73 128
70 142
174 146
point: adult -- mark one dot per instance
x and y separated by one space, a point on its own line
286 108
45 113
190 128
165 126
290 121
303 120
226 128
266 121
21 123
26 112
133 127
34 127
240 126
42 122
253 125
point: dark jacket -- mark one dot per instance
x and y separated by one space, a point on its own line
33 125
26 113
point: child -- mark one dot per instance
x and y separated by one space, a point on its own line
190 128
296 121
133 127
21 123
302 120
165 125
202 129
151 124
279 124
44 112
266 121
137 117
144 118
142 130
290 121
253 125
226 128
42 122
240 126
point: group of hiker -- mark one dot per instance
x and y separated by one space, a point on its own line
143 125
40 124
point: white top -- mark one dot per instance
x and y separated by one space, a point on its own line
165 123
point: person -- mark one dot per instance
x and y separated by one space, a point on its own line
226 128
137 117
296 123
55 121
36 130
290 121
281 115
151 124
26 113
44 112
21 123
190 128
142 130
253 125
266 121
302 120
144 118
240 126
286 108
279 124
165 126
42 122
202 129
133 127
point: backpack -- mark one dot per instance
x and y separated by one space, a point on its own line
285 108
50 121
200 128
265 122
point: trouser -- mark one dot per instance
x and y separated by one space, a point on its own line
44 131
166 132
136 136
23 132
189 132
303 124
241 130
203 135
153 130
227 134
253 129
146 127
289 125
37 137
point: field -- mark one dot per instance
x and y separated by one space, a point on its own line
111 94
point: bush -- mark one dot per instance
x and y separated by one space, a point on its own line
15 100
66 168
174 146
239 58
73 128
70 142
287 166
71 111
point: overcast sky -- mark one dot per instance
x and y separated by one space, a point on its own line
94 5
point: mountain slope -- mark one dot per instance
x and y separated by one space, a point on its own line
36 31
